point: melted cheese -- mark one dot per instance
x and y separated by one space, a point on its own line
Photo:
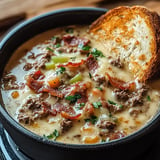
81 131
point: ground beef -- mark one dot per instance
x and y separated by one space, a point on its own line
92 64
131 98
9 82
73 41
33 109
106 124
65 125
134 112
28 66
122 95
117 63
114 108
100 79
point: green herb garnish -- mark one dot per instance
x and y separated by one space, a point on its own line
81 105
53 135
84 48
97 104
90 76
96 53
93 119
148 98
99 88
61 70
50 49
74 98
57 45
113 103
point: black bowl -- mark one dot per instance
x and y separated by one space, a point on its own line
37 147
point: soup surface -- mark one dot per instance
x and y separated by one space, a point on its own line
63 86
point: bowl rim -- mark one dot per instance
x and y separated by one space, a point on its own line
15 125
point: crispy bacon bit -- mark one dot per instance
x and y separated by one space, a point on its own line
71 64
35 85
121 84
53 92
68 116
92 64
38 75
75 41
78 87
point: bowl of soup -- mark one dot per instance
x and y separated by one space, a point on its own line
59 97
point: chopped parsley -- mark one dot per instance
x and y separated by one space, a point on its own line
99 88
69 30
57 45
74 98
90 76
84 48
81 105
53 135
113 103
49 49
93 119
148 98
96 53
61 70
97 104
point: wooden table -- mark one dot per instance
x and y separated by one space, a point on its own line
13 11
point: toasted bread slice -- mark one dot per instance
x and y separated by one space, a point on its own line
133 34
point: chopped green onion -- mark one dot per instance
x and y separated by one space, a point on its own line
76 78
59 59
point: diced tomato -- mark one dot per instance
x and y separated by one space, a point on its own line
121 84
68 116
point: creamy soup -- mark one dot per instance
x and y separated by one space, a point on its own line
63 86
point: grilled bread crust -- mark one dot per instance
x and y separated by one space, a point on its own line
133 34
